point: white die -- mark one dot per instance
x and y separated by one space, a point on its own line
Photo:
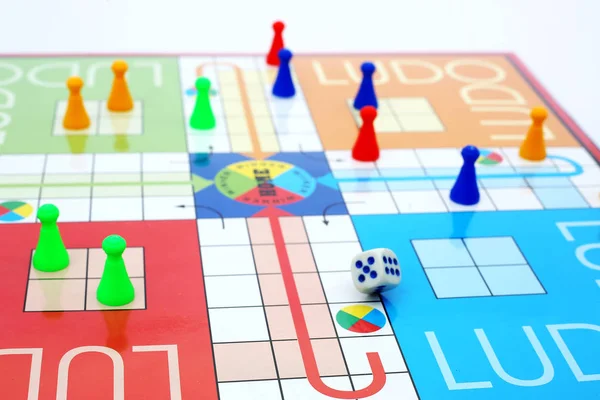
375 271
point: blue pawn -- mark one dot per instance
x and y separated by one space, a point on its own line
366 92
284 85
465 190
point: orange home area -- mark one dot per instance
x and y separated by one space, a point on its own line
426 100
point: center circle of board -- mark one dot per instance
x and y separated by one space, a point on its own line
265 182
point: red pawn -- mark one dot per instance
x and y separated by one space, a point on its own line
366 147
273 56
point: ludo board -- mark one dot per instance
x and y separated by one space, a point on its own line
239 238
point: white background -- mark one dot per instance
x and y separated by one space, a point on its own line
558 40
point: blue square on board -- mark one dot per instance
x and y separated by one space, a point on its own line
457 282
495 251
511 279
549 181
564 197
363 186
492 183
442 253
410 185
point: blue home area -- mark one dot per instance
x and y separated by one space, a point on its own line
498 305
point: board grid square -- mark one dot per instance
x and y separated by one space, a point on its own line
402 114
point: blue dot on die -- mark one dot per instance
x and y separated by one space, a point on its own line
370 260
395 262
385 260
361 278
398 272
366 270
373 274
359 264
387 270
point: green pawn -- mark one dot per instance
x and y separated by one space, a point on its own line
115 288
50 253
202 116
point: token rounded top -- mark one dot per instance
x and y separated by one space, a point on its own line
278 26
119 66
48 213
470 153
74 83
368 113
539 114
202 84
284 55
114 245
367 68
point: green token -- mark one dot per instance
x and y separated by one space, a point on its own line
202 116
115 288
50 253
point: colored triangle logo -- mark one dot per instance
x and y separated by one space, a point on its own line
199 183
11 217
346 320
272 212
363 326
358 310
375 317
329 181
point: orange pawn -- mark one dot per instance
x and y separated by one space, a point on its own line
76 117
533 147
119 99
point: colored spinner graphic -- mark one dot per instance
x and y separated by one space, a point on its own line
360 318
265 182
487 157
12 211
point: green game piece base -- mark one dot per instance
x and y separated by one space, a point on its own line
116 299
57 263
203 123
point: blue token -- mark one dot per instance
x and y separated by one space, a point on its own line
366 91
370 260
284 84
361 278
373 274
465 190
387 270
359 264
366 270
